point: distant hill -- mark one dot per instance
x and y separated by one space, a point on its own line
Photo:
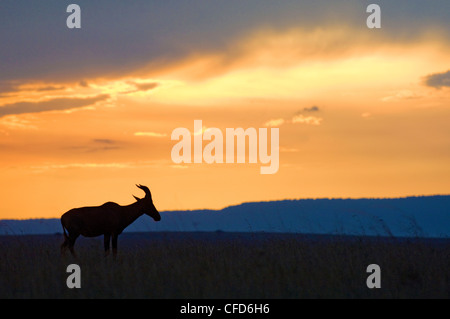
426 216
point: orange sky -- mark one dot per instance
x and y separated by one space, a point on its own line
356 115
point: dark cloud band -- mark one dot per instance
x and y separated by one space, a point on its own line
438 80
50 105
118 37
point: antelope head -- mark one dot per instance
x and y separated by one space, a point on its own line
146 204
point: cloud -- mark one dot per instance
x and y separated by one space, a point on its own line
310 120
103 144
152 33
104 141
57 104
97 165
83 84
150 134
16 122
81 166
141 87
298 118
7 86
24 88
438 80
274 122
96 145
146 86
50 88
311 109
402 95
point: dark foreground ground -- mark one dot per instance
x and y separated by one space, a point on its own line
226 265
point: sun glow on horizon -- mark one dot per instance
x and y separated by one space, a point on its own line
356 119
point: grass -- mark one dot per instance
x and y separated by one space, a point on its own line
226 265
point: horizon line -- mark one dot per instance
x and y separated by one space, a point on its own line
261 201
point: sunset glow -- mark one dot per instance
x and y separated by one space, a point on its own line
361 113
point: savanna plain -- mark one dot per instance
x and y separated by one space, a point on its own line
226 265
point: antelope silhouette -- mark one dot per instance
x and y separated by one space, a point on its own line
109 220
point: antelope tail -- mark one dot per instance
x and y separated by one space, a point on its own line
64 230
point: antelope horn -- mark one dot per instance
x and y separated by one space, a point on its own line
145 189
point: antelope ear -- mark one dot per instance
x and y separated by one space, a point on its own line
136 198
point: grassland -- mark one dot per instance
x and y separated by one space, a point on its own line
226 265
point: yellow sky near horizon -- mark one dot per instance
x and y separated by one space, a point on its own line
356 119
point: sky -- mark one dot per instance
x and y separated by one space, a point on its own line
85 114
